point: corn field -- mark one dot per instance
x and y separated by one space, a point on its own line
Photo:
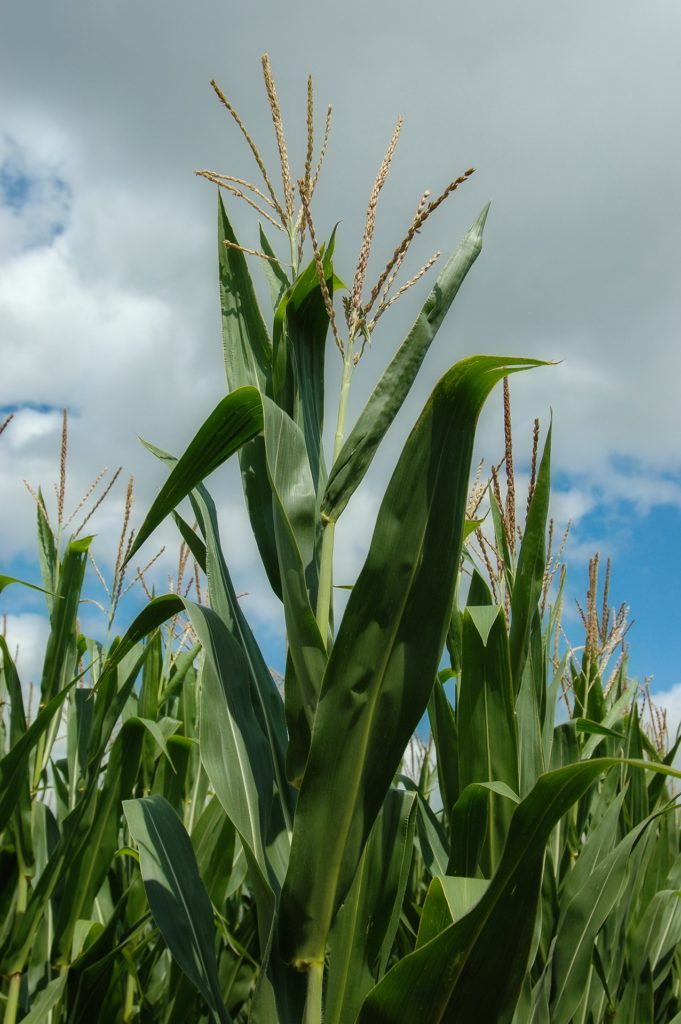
184 837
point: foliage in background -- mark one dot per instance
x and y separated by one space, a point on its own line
181 840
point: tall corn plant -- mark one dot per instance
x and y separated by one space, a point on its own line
312 784
215 849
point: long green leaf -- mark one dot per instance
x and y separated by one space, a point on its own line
7 581
293 501
224 601
248 361
234 421
358 451
233 747
246 344
383 663
176 895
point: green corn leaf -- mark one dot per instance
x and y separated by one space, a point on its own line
48 556
17 715
94 848
20 788
275 275
530 709
246 343
501 540
177 898
358 451
112 697
301 324
234 421
61 654
599 845
213 838
580 923
258 493
446 901
465 973
636 801
248 361
233 747
364 930
78 729
238 762
432 840
488 748
13 765
658 931
470 825
46 1000
529 577
75 829
383 663
224 601
293 501
614 716
7 581
295 532
445 738
194 543
596 729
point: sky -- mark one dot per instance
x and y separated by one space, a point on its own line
108 291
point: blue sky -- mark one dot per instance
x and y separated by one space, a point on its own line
107 279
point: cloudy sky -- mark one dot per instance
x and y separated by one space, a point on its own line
108 301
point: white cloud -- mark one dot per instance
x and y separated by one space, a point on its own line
116 316
670 700
26 635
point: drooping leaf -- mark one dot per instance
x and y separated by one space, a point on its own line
234 421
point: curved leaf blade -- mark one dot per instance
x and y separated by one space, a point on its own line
236 419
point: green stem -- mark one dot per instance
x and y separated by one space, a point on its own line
38 765
326 557
129 1004
12 1004
293 247
313 1002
